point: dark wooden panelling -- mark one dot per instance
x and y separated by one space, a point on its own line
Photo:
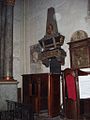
43 91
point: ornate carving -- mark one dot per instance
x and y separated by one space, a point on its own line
51 45
79 35
10 2
60 54
80 58
80 53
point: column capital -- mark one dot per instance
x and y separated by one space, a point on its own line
10 2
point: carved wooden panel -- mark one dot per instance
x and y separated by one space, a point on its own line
43 92
80 58
80 53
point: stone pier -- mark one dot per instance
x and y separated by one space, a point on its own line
8 86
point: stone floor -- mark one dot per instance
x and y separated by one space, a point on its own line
55 118
45 116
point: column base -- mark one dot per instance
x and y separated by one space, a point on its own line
8 78
8 91
8 81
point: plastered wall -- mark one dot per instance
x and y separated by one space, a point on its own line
30 26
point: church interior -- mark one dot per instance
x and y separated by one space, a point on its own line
44 59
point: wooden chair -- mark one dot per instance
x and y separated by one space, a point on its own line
71 98
70 95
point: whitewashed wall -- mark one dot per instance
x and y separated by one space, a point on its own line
30 26
18 41
70 15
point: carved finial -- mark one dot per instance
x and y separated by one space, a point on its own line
51 20
10 2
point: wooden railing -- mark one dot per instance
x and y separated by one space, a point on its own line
17 111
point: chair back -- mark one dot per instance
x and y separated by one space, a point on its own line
69 94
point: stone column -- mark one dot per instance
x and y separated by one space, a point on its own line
0 33
2 26
8 86
0 16
8 46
